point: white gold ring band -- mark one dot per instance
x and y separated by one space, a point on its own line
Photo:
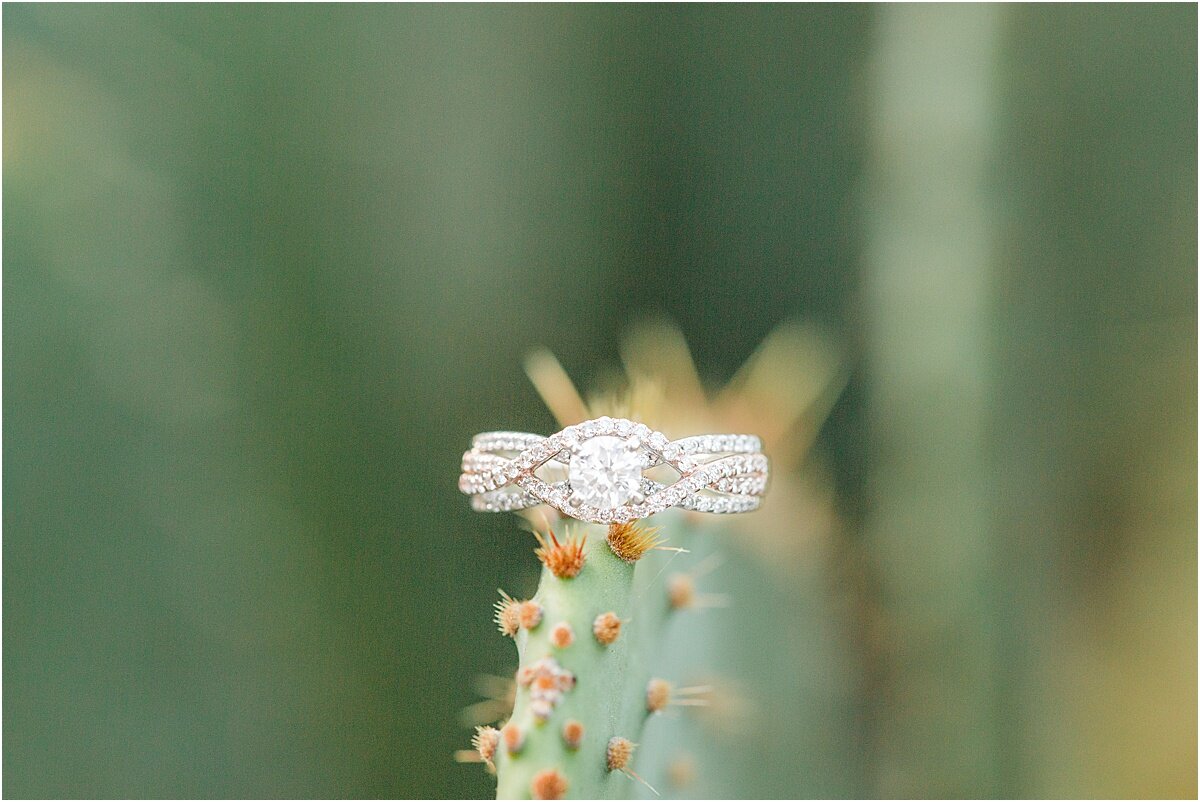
594 471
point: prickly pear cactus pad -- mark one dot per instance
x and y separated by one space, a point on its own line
578 675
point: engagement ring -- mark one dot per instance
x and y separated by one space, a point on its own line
597 471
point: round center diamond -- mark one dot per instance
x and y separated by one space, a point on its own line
605 472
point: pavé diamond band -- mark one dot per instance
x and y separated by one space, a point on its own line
593 471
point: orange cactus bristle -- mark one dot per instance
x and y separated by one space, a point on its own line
564 560
472 756
513 738
682 595
529 614
619 751
562 635
658 695
617 756
499 697
606 628
630 541
681 591
506 618
548 682
485 742
548 784
572 734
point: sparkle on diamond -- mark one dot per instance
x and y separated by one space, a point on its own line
605 472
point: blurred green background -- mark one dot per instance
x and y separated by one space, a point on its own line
267 268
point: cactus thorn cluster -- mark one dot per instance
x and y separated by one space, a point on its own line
606 628
514 738
512 615
661 694
572 733
617 756
483 748
485 742
548 784
681 771
682 594
565 559
630 542
506 617
562 635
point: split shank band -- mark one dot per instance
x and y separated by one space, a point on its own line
593 471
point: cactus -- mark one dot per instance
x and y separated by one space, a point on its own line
612 639
579 673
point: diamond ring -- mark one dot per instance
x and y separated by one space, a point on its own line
596 471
